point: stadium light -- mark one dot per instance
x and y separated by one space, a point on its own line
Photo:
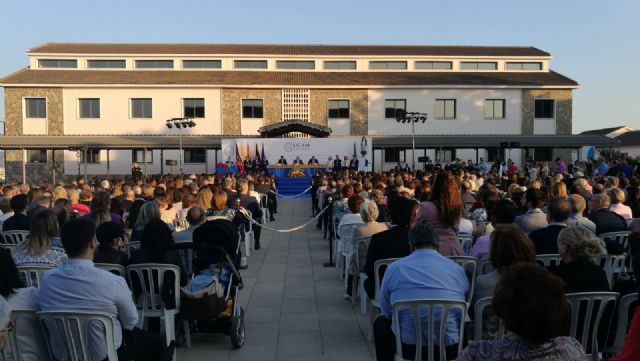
180 123
402 116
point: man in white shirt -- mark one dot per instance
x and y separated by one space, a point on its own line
78 285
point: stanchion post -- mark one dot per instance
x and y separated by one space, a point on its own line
331 235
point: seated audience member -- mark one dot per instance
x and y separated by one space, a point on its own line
101 201
195 217
79 286
424 274
383 210
251 204
534 218
443 213
468 197
188 201
167 212
617 197
5 209
220 207
340 206
631 348
605 220
19 221
578 205
579 250
392 243
43 245
369 214
110 236
530 301
353 218
546 239
5 325
502 212
148 211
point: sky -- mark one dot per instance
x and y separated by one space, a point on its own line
596 43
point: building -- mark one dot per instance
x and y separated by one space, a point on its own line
628 139
96 108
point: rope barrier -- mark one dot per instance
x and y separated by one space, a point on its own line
297 195
246 214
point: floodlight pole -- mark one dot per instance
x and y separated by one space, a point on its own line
180 123
413 117
181 153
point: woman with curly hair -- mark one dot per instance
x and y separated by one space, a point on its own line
443 212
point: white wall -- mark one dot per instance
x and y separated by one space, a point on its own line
339 126
544 126
469 113
115 111
250 126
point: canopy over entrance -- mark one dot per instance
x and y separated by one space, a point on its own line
279 129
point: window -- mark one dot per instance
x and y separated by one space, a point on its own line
340 65
35 107
141 108
57 63
37 156
195 156
523 66
137 156
106 64
154 64
252 108
193 108
93 156
493 154
395 65
445 65
544 108
339 109
394 107
494 108
479 65
204 64
250 64
394 155
301 64
89 108
539 154
445 108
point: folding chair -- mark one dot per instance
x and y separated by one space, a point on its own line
587 311
374 304
70 332
116 269
440 309
31 274
479 308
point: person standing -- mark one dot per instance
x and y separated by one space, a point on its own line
337 164
136 172
353 164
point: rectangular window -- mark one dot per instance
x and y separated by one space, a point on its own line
391 65
37 156
394 107
93 155
35 107
58 63
252 108
494 108
339 65
440 65
141 108
493 154
106 64
544 108
202 64
394 155
250 64
478 65
301 64
154 64
137 156
195 156
193 108
89 108
523 66
338 109
445 108
540 154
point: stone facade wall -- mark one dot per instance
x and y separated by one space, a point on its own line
564 106
231 107
34 171
13 108
358 104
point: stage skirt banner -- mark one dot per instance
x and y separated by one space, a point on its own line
322 148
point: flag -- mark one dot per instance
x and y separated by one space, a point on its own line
248 153
238 158
257 153
241 152
592 154
354 150
262 155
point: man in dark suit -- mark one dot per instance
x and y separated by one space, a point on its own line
282 160
19 221
337 164
244 200
313 160
353 164
545 239
298 160
392 243
606 221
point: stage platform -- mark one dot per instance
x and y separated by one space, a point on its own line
294 186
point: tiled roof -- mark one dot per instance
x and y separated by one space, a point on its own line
288 49
629 139
603 131
282 78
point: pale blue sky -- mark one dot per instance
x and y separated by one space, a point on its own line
596 43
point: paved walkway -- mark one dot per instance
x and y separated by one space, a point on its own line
294 307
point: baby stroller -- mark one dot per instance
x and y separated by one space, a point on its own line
215 252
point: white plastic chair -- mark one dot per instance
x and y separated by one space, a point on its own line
375 304
442 308
589 307
150 302
116 269
361 243
622 323
263 204
31 274
13 350
466 242
132 247
336 237
70 332
478 319
469 265
621 238
14 237
548 260
612 265
249 236
484 266
346 249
